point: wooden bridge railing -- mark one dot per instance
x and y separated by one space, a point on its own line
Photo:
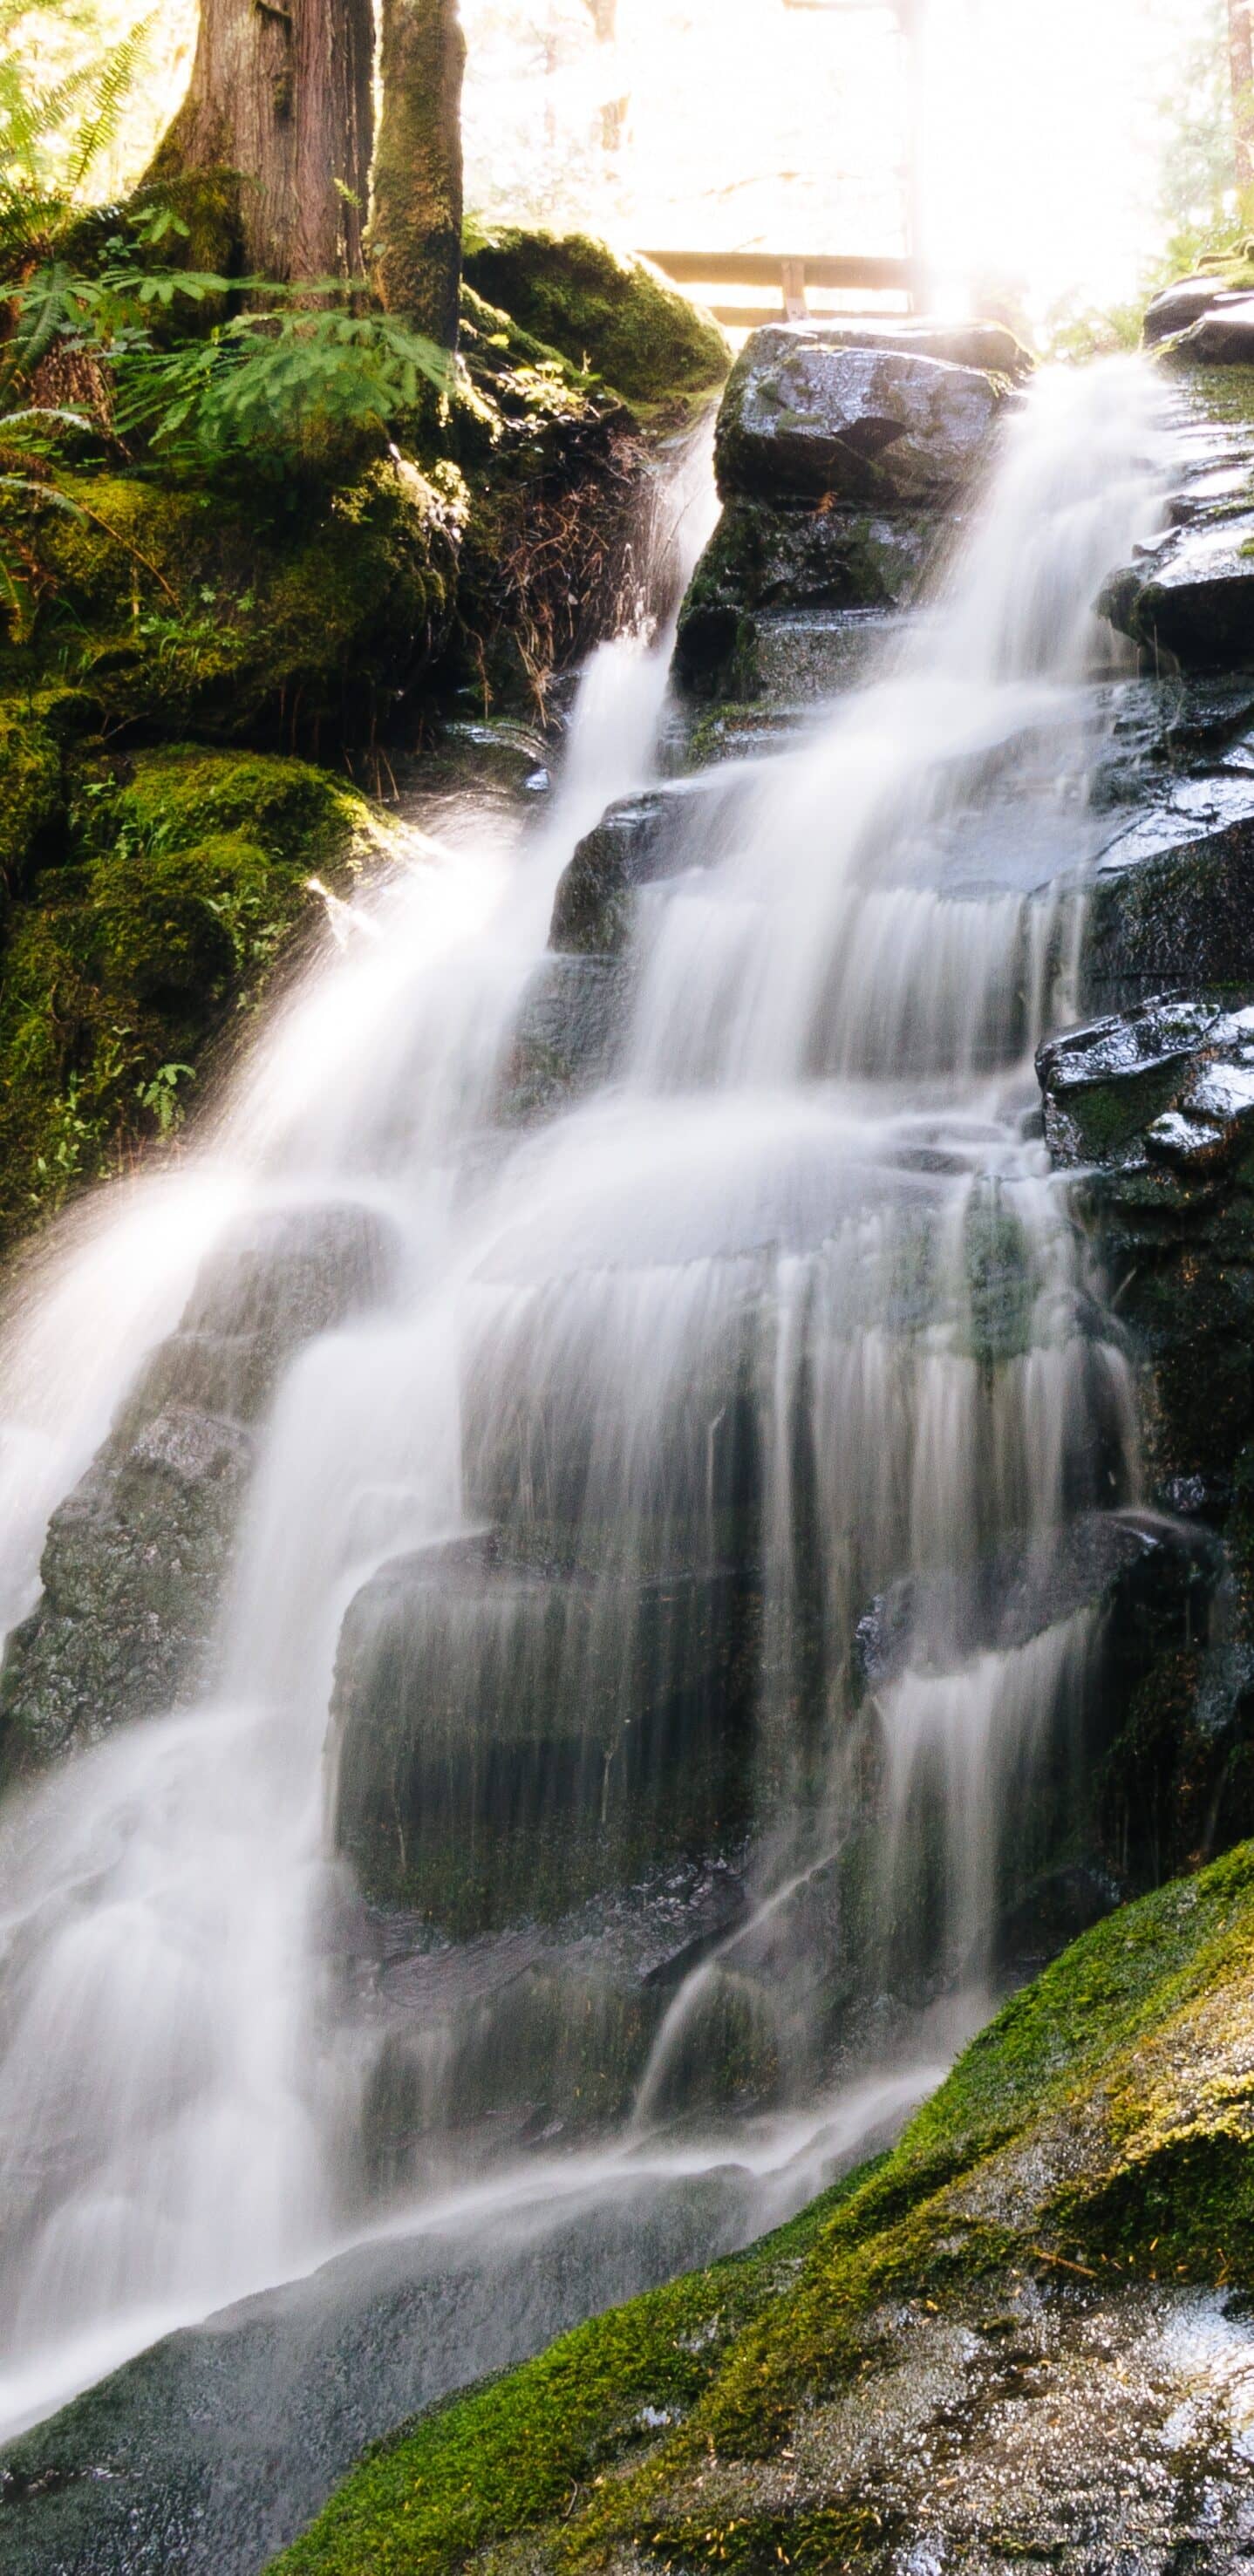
793 276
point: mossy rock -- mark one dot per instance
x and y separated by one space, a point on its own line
289 617
32 799
183 873
1013 2289
609 313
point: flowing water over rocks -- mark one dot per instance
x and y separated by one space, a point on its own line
621 1482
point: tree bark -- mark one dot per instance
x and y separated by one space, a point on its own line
604 16
281 91
416 231
1241 58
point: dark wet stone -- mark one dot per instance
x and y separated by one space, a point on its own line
764 562
1155 1110
1133 1092
1192 598
565 1035
1172 903
1222 336
863 424
514 1741
1179 307
934 1622
136 1557
633 844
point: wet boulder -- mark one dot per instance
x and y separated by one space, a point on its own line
1172 901
841 452
1154 1112
765 562
1192 597
1187 597
513 1740
564 1037
636 844
1221 336
136 1557
863 425
1179 307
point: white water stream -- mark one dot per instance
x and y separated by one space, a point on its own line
784 1211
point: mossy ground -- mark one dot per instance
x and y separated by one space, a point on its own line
1098 2137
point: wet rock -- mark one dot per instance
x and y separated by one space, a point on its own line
131 1572
764 561
564 1037
942 1620
1156 1110
861 424
1172 902
990 346
1179 307
1193 597
1126 1093
1188 597
805 659
1221 336
513 1741
135 1559
634 845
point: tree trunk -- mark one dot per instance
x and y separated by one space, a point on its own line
283 94
416 232
1241 57
604 16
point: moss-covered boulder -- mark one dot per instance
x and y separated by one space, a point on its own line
608 312
1023 2338
180 874
293 617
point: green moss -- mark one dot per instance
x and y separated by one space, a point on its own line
613 315
506 2455
184 873
32 798
1097 2131
173 607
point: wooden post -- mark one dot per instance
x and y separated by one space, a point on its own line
910 15
794 283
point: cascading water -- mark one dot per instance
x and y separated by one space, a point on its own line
655 1415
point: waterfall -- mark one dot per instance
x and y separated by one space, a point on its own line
650 1407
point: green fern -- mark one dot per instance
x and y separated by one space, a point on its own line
52 134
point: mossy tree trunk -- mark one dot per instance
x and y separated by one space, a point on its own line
1241 57
417 228
281 91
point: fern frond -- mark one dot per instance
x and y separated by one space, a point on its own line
112 86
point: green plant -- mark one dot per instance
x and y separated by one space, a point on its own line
269 379
160 1095
52 135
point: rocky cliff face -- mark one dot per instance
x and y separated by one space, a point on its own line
1024 2338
